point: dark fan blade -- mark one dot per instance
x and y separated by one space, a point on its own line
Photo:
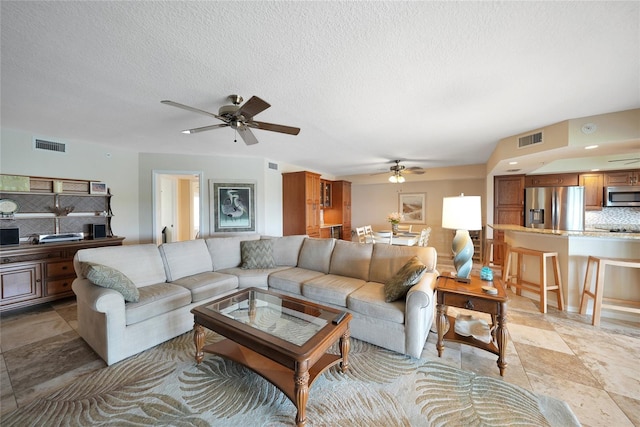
274 128
415 170
195 110
248 137
252 107
203 128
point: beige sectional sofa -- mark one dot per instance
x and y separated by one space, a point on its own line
173 278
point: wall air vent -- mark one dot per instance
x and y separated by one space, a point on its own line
534 138
273 166
41 144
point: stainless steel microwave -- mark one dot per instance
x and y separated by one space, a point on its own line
625 195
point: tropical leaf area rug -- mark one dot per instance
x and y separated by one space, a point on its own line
164 386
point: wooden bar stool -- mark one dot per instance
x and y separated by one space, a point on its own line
540 288
598 294
489 260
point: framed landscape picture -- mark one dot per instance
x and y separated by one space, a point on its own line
413 207
97 188
233 206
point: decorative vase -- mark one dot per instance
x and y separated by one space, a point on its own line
394 228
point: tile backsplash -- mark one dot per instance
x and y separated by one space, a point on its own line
613 216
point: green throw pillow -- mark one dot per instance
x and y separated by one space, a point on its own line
257 254
111 278
410 274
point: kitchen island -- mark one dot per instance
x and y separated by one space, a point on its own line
574 248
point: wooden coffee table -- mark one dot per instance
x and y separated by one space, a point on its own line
283 339
471 297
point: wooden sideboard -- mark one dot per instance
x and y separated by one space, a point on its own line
33 274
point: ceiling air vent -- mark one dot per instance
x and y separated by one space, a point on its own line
41 144
534 138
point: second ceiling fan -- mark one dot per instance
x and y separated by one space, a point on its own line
398 170
239 118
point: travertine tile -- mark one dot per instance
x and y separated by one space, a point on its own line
630 407
591 405
7 399
27 329
543 338
555 364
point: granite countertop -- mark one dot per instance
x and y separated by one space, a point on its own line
330 225
590 232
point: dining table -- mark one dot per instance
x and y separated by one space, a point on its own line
404 238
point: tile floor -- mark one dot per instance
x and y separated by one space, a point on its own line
595 370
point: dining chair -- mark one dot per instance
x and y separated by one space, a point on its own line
382 237
404 228
368 234
424 237
362 237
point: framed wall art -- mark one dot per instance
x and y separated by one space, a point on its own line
97 188
233 206
413 207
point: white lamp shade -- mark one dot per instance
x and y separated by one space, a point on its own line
462 213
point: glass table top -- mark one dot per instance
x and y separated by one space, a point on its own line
292 321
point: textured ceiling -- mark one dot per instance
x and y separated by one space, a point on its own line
437 83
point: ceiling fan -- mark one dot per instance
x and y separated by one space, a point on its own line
239 118
397 171
629 160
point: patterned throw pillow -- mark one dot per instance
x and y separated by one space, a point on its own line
257 254
410 274
111 278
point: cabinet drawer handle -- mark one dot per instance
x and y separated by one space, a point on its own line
469 305
65 267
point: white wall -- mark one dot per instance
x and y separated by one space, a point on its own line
370 204
83 160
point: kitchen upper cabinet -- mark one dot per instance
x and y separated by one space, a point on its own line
325 193
593 189
509 191
301 203
621 178
551 180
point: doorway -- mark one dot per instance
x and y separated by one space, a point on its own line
177 201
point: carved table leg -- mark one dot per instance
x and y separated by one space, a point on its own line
502 341
198 340
345 346
441 324
302 394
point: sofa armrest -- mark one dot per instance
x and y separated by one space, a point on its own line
97 298
419 313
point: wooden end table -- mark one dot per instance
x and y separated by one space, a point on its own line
470 296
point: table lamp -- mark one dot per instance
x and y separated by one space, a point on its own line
462 214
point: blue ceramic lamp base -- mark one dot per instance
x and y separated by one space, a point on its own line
462 254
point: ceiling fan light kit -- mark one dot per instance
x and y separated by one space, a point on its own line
397 170
396 178
239 118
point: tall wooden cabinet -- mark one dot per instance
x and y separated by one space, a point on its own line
301 203
340 212
508 208
593 189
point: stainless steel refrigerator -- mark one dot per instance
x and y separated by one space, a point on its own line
554 208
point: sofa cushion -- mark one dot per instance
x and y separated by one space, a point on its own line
257 254
248 278
291 279
111 278
286 249
351 259
155 300
182 259
225 251
386 260
140 263
331 289
315 254
208 284
369 301
410 274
